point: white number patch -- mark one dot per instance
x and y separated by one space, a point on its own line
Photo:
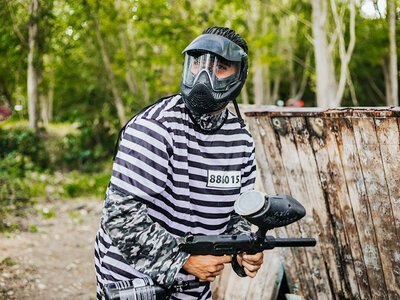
224 179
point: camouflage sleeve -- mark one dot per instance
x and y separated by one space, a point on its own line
238 225
145 245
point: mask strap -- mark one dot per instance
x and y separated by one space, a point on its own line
241 121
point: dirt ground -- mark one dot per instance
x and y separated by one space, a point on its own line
53 258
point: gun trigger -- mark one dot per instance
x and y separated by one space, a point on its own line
237 268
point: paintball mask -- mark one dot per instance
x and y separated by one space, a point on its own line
214 71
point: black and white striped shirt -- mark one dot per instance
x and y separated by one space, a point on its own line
187 179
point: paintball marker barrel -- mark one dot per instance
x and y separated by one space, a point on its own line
290 242
220 245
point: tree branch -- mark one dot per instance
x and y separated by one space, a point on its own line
15 27
345 55
352 90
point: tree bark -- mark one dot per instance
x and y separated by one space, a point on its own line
266 85
352 90
107 64
255 9
130 78
33 57
44 109
245 95
393 71
325 73
50 95
375 88
388 85
46 97
345 54
258 84
275 89
292 76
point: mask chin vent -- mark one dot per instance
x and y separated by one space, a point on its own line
201 101
200 96
217 95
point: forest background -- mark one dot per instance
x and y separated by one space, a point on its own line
73 72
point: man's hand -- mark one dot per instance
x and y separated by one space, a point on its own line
250 263
206 267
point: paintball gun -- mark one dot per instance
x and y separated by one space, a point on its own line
266 212
144 289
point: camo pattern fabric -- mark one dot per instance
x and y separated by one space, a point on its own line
144 244
238 225
210 122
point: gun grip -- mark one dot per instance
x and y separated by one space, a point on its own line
237 268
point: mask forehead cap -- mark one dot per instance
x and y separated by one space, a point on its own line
218 45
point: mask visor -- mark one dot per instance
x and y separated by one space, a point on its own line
221 73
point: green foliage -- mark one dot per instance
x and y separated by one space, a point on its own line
8 262
39 166
23 149
48 213
146 38
33 228
86 184
84 151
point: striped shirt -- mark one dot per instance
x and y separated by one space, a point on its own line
187 179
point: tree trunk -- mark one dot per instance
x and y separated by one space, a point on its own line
298 94
258 84
344 53
245 95
266 97
107 64
394 84
375 88
388 85
50 95
33 57
44 109
275 89
325 73
292 76
130 78
146 92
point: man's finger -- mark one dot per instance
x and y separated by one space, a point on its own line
215 274
219 268
251 267
225 259
258 262
256 258
250 274
210 278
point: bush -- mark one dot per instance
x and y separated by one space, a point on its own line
78 185
28 147
21 150
34 165
83 151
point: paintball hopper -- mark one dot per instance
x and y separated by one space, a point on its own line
268 212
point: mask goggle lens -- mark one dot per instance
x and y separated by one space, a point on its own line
221 73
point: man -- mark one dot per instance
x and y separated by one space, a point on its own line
181 164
